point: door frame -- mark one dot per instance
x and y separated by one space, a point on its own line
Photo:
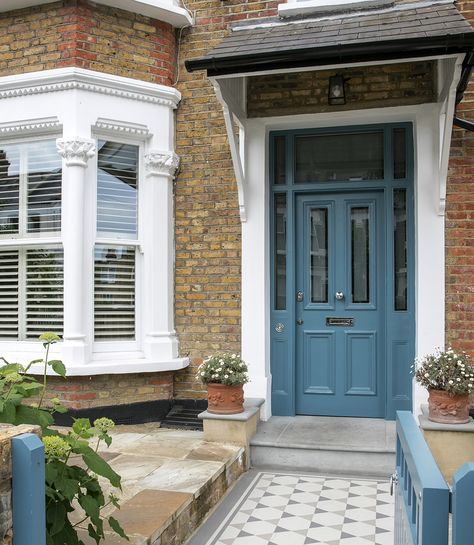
400 353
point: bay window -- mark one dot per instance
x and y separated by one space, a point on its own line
86 220
31 255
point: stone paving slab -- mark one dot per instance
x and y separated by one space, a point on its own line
170 480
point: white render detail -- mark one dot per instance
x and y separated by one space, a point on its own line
28 127
76 152
67 79
79 108
114 127
160 163
168 11
308 7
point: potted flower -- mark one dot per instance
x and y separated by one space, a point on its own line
450 380
225 376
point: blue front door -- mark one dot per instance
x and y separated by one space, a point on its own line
342 292
340 304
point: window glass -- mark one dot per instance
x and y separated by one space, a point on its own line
117 189
280 160
332 157
44 187
280 251
114 293
9 287
400 248
319 255
9 189
399 154
360 245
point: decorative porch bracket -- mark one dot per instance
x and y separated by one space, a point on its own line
449 74
233 111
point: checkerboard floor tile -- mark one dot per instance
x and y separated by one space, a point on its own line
283 509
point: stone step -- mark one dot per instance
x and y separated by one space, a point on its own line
326 445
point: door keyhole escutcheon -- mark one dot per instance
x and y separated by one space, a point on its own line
299 322
299 296
339 295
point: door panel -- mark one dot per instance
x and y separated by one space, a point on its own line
340 368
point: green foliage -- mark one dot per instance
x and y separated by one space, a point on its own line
73 464
228 369
446 370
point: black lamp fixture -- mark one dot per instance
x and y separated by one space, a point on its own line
337 92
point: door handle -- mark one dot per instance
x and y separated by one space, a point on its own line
339 295
299 322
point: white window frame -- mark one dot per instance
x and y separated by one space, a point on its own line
82 106
91 198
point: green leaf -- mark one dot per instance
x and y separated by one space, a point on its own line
98 465
93 534
69 487
60 409
8 414
58 367
32 415
114 524
81 427
55 517
51 472
91 507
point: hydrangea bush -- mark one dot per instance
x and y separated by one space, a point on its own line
446 370
73 463
228 369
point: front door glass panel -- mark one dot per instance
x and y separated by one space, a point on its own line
360 244
339 157
400 248
280 251
319 255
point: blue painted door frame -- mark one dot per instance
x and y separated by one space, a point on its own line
396 332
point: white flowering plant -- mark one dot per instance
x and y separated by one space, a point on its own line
446 370
228 369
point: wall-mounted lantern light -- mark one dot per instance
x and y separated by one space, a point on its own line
337 92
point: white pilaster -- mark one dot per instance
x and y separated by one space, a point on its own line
158 246
76 154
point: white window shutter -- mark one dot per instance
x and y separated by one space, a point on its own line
9 284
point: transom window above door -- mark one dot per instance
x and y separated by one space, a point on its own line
347 156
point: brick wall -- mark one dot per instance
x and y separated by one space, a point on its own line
7 432
366 87
104 390
460 225
208 238
78 33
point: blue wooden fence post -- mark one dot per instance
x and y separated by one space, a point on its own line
29 519
463 505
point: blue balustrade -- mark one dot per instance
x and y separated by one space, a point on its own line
422 495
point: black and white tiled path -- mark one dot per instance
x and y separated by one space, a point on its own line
279 509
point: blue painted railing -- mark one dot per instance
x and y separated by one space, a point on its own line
422 495
463 505
28 490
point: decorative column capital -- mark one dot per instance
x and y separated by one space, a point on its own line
76 151
161 163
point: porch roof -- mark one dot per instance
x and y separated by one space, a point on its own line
401 31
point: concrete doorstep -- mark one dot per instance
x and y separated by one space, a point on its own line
171 479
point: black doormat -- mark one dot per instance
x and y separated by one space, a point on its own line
184 414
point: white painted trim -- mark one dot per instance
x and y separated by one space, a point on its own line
162 10
429 227
66 79
113 127
297 7
28 127
237 154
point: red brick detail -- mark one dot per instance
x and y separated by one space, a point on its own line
86 35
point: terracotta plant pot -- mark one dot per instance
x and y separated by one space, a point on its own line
223 399
448 409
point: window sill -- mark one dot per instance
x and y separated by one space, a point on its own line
162 10
110 366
